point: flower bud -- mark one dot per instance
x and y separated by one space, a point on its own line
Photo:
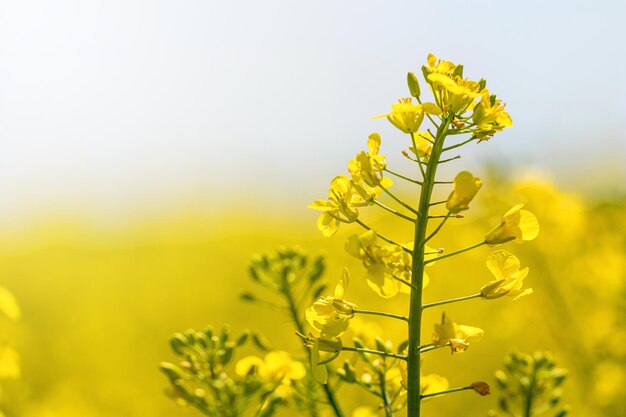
414 86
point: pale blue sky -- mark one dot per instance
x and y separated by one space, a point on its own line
114 105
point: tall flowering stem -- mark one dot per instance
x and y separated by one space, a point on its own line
460 107
417 272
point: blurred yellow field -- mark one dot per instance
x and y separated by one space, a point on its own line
98 307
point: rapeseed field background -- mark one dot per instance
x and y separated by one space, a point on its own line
98 305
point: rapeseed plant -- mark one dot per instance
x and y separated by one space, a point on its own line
462 111
460 107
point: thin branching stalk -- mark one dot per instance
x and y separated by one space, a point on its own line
381 313
451 300
415 312
374 352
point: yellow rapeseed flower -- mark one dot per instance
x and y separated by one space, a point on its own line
505 267
466 186
340 206
330 316
458 335
388 266
408 116
489 116
423 145
454 92
517 225
276 367
368 167
439 66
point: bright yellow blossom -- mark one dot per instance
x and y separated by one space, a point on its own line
340 206
330 316
366 170
407 116
388 266
458 335
517 225
423 145
439 66
489 116
275 367
454 92
505 267
466 186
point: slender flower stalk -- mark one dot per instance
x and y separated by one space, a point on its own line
452 300
381 313
374 352
417 272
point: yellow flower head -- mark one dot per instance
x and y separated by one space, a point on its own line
388 266
275 367
408 116
368 166
330 316
423 145
466 186
340 206
489 116
517 225
439 66
458 335
505 267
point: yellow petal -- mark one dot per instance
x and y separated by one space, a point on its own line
373 144
322 205
327 224
529 225
243 366
340 289
502 264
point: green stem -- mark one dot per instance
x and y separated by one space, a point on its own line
447 255
438 228
417 156
392 211
382 313
448 391
443 161
452 300
417 273
385 395
383 237
402 203
403 177
374 352
465 142
433 346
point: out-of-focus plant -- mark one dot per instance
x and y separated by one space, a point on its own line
9 358
530 386
462 112
203 379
